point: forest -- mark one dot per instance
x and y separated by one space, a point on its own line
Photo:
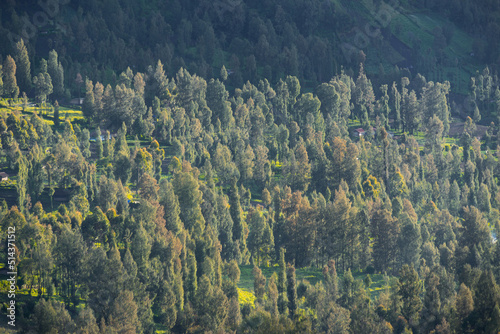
224 167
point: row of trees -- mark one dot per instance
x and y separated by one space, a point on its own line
16 75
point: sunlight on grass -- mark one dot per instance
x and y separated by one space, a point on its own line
246 297
46 111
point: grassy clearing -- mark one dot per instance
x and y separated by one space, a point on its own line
161 329
312 275
378 283
71 113
246 297
46 111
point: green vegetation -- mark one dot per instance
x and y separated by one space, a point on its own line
311 275
250 167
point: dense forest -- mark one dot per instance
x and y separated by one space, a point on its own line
216 144
309 39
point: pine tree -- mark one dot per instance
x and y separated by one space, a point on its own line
411 115
107 147
104 279
234 313
272 296
170 203
266 197
282 285
396 100
10 87
88 102
410 289
69 253
124 313
98 101
166 301
484 199
99 145
431 311
108 104
21 184
259 284
23 67
191 282
51 316
292 291
331 281
304 167
237 216
435 102
56 72
187 189
230 249
260 238
217 102
477 115
347 291
43 83
384 108
35 184
454 198
434 134
244 159
95 228
223 73
485 318
363 93
476 231
57 121
86 322
139 84
410 238
464 304
385 231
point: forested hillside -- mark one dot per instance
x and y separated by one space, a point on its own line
310 39
194 192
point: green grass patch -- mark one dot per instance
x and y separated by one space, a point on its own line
70 113
313 275
161 329
310 274
45 111
377 286
246 297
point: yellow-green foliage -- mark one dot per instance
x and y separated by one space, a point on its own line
246 297
45 110
72 114
276 164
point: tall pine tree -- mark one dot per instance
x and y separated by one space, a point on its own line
23 67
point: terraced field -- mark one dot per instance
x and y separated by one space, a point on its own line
46 110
